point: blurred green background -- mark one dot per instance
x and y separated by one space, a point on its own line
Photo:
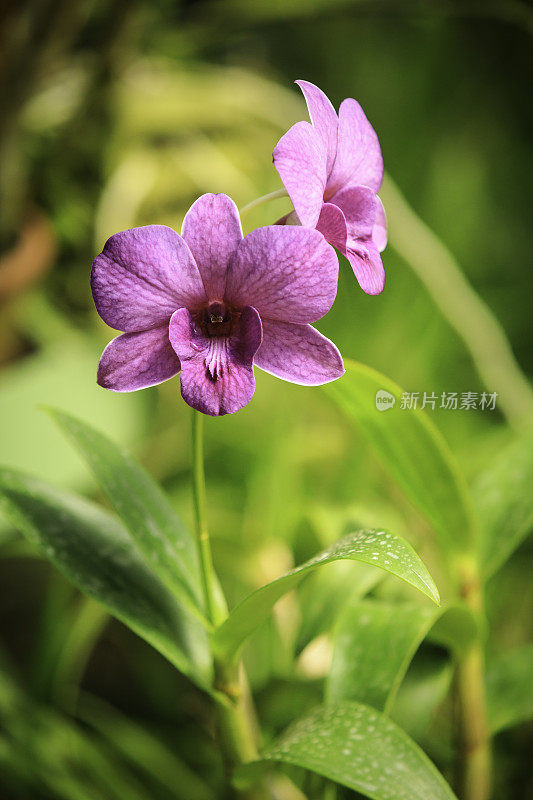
114 114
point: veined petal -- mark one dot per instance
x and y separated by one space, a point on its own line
300 158
351 227
286 272
142 276
298 353
212 229
332 225
379 231
217 372
367 265
359 206
324 119
138 360
358 161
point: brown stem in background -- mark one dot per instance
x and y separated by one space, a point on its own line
29 259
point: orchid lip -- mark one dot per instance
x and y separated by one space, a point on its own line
217 359
217 323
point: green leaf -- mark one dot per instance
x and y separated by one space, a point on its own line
422 691
326 592
413 450
166 544
92 549
456 628
360 748
510 688
505 503
374 644
377 547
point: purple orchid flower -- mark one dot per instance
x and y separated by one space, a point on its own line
211 304
332 170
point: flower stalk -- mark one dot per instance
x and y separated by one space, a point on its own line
233 718
205 558
265 198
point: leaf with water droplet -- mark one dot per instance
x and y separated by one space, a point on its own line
374 643
379 548
358 747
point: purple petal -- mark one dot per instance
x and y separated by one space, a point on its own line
359 206
212 229
367 265
142 276
353 239
324 119
216 372
300 158
298 353
358 160
332 225
285 272
379 231
137 360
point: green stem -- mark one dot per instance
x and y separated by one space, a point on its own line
202 534
234 719
474 737
234 728
266 198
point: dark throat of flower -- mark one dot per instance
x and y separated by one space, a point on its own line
217 324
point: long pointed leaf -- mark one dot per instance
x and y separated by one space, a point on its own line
374 644
505 501
510 688
377 547
362 749
144 509
92 549
412 449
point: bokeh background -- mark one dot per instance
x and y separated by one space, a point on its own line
116 113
